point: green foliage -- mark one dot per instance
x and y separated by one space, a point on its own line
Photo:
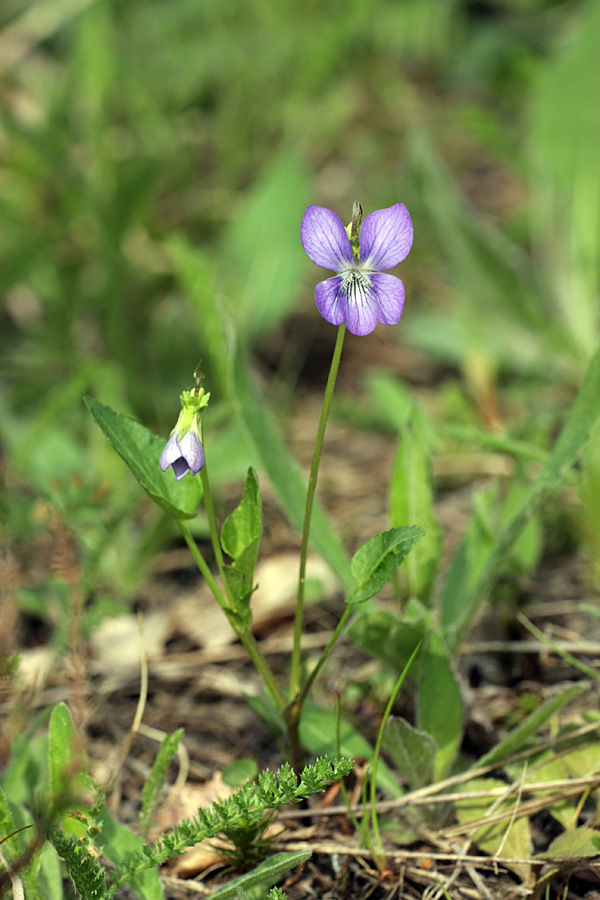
319 735
459 608
141 450
263 875
86 873
411 500
156 779
240 771
412 752
151 211
241 534
440 706
276 894
250 804
375 562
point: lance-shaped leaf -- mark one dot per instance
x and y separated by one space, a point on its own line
242 530
263 875
375 562
440 707
141 450
240 539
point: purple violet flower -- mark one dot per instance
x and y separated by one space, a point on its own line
184 451
359 294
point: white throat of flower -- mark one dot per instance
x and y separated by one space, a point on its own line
356 279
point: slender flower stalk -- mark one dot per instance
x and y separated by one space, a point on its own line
295 671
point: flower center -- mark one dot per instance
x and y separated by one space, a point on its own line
355 282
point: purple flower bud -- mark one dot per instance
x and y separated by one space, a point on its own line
184 451
359 295
186 455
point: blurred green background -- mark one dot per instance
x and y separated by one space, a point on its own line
155 162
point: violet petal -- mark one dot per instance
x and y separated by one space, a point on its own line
361 307
330 300
181 468
389 292
192 451
324 239
386 237
170 453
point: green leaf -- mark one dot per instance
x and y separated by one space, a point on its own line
512 835
375 562
65 762
391 401
264 874
411 500
156 779
262 247
528 729
493 273
49 876
388 637
242 530
126 849
546 767
580 843
7 825
440 706
412 751
141 450
284 473
565 136
469 561
583 419
198 275
240 771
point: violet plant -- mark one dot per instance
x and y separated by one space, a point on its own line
356 298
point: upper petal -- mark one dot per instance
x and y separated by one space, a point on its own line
324 238
386 237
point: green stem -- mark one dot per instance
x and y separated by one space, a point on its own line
262 666
325 653
245 636
202 564
296 663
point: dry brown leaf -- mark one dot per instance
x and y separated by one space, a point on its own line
198 616
115 644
